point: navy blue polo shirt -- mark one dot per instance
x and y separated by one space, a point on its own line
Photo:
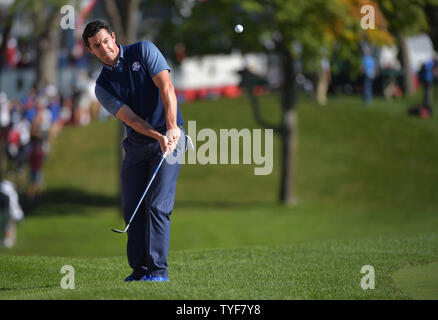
130 82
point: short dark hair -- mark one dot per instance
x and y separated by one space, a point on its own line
93 28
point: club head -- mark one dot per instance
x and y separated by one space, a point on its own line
117 230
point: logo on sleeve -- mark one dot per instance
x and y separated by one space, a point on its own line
135 66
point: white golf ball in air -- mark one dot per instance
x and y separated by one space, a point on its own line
238 28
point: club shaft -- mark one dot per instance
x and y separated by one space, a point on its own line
146 190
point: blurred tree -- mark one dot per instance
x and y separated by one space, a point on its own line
432 17
46 16
123 18
296 30
405 18
6 26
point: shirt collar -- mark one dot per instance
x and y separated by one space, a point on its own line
121 51
118 61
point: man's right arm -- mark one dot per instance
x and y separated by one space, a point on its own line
123 112
129 117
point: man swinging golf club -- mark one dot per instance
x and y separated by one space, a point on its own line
134 85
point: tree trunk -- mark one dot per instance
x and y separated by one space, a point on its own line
129 14
289 144
48 43
123 19
47 59
408 73
289 131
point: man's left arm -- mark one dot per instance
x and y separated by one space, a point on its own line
168 98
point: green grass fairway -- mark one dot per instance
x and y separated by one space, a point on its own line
366 181
419 282
320 270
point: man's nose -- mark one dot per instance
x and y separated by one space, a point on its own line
107 47
102 48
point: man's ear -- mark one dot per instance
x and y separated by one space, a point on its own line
89 50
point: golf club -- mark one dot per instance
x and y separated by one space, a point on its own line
142 197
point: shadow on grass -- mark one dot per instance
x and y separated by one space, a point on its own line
68 201
221 204
65 201
32 288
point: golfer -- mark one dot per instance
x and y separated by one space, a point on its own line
134 85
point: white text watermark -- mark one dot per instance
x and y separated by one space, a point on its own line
367 281
68 281
228 146
368 20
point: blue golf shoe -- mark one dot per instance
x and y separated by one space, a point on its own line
154 279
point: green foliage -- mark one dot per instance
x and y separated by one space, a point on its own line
406 17
309 29
43 14
210 26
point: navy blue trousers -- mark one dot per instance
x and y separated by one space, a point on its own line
149 233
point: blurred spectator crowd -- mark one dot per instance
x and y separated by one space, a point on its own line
28 129
30 125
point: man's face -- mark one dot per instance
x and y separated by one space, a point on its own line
103 45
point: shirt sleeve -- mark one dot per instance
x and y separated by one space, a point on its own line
108 101
154 59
